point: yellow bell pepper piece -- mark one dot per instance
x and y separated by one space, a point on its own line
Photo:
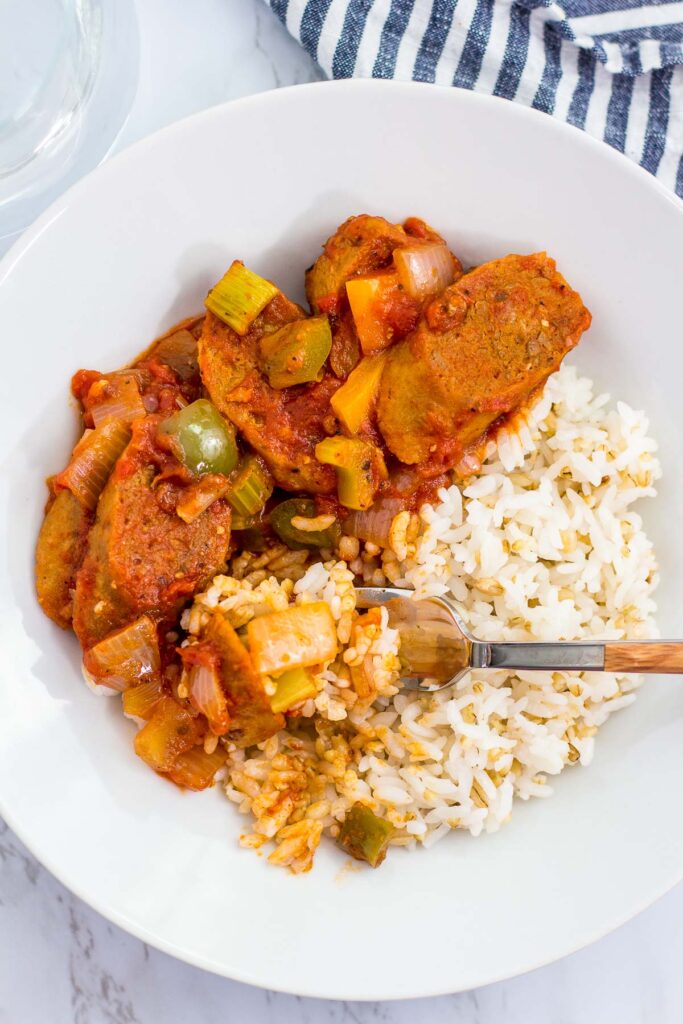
367 295
292 687
354 400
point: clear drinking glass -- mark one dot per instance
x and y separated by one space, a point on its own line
68 72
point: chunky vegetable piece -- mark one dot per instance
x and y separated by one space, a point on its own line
293 687
139 701
365 836
201 494
117 397
197 769
92 461
383 311
201 439
250 487
239 297
170 732
356 398
363 675
360 469
59 553
375 523
252 719
127 656
295 637
297 352
425 269
178 350
151 385
202 662
478 353
281 519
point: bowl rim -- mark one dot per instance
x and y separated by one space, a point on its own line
97 177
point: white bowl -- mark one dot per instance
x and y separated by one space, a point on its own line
131 250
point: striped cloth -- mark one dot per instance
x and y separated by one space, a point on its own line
611 67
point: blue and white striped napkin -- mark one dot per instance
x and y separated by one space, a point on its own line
611 67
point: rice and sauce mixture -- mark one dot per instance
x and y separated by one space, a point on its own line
543 544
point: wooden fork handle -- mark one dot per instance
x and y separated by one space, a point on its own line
647 656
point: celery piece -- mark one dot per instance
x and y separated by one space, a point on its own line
297 352
364 835
251 487
239 297
292 687
360 469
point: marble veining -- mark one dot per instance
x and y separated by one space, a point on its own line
60 962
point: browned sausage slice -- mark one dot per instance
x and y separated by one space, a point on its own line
140 557
59 553
480 350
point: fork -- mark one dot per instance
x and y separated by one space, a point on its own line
437 646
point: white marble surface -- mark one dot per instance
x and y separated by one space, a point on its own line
61 962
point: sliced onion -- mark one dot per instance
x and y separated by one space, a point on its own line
404 480
363 679
196 498
140 701
171 732
196 769
424 270
97 688
121 400
204 683
126 657
92 461
179 351
374 524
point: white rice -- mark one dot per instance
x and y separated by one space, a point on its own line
544 544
